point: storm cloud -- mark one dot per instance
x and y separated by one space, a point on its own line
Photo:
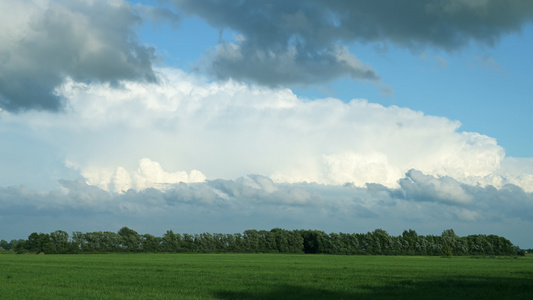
305 41
43 42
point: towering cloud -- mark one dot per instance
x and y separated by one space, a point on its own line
42 42
303 41
227 130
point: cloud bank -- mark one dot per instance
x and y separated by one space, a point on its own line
304 42
423 202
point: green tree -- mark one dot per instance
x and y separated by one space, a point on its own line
267 242
380 242
351 243
171 242
150 243
237 244
39 242
287 241
450 243
251 241
4 245
315 241
94 242
78 241
130 239
60 240
447 250
111 241
188 243
410 238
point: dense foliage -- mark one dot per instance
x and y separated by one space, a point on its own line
277 240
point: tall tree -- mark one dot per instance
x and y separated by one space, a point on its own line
150 243
131 241
60 240
4 245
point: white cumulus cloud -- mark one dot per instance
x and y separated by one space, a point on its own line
149 174
228 130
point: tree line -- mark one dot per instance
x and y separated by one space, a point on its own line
377 242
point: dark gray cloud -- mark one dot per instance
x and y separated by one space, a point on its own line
422 187
447 24
84 40
301 41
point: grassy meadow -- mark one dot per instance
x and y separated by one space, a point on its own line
263 276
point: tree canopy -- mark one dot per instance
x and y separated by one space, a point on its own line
277 240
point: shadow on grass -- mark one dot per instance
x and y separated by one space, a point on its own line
446 288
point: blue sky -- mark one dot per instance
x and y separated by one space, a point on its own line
485 87
223 116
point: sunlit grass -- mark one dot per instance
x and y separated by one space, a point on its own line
263 276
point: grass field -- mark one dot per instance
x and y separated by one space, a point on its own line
263 276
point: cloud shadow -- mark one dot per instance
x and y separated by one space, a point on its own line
444 288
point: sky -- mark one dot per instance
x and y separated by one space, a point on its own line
221 116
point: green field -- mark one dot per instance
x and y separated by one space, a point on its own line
263 276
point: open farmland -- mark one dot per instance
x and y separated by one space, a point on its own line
263 276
